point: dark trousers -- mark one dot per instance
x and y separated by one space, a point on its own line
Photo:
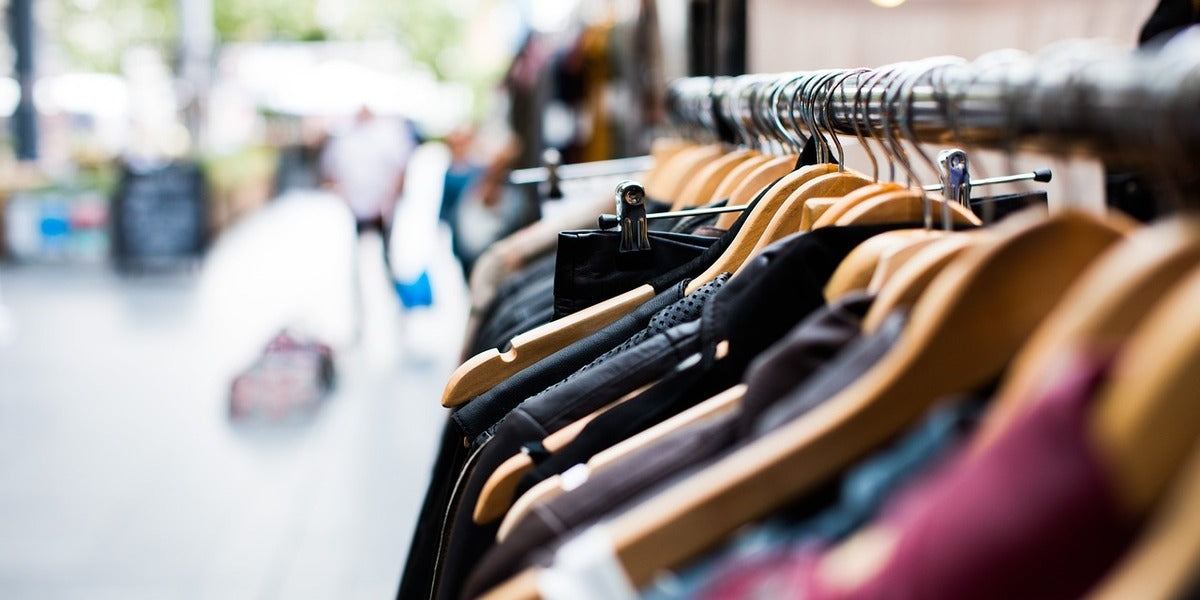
384 228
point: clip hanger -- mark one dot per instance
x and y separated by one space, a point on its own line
630 197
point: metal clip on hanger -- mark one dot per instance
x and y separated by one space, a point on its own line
955 173
631 214
552 158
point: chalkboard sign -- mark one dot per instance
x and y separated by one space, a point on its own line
159 215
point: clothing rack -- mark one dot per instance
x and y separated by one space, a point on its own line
1079 98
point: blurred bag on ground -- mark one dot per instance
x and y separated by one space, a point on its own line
290 378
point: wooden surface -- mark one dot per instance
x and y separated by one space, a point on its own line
855 271
754 226
893 258
1099 312
753 183
702 184
1147 417
1163 562
813 209
905 206
911 279
662 151
485 370
739 174
671 176
790 215
852 199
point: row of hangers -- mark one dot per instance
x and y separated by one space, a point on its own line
983 102
1108 281
820 195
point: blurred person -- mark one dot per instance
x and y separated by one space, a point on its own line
488 209
462 172
364 164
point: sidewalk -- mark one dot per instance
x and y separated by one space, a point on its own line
120 476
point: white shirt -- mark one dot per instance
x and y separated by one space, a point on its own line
365 160
586 568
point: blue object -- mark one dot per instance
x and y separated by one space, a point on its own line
416 293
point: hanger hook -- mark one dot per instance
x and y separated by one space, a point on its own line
818 111
887 135
835 83
779 109
854 112
758 96
809 113
795 110
906 96
875 79
770 120
908 84
730 112
862 105
742 106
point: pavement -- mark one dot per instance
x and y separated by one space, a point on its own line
121 475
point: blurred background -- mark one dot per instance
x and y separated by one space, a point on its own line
191 188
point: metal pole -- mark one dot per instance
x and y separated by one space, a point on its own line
197 39
24 120
600 168
1123 108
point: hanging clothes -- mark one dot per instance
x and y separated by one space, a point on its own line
830 399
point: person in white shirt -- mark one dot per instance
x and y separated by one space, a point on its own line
364 165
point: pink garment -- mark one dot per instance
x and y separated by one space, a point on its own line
1032 517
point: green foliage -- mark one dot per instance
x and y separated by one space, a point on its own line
261 20
425 27
95 33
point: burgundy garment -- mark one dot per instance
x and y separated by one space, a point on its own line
1032 516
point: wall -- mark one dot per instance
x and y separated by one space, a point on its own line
807 34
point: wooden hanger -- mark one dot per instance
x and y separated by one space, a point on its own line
914 277
675 173
856 270
906 206
787 218
813 209
892 259
830 216
702 185
497 493
753 183
737 175
1100 311
552 487
660 168
1147 418
962 331
487 369
756 223
1164 561
663 150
